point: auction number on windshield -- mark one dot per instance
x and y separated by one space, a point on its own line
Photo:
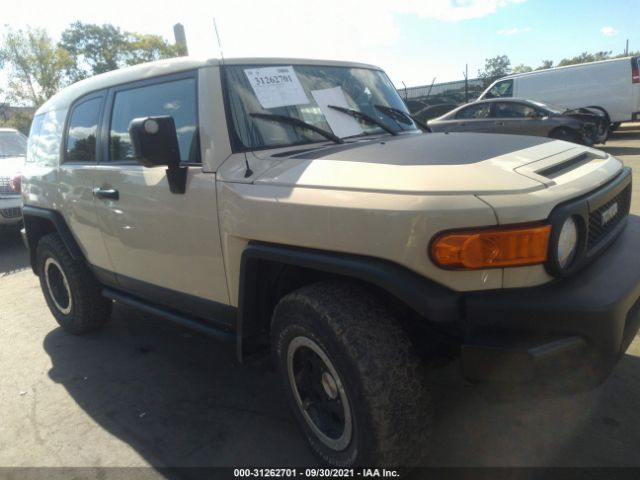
276 86
273 79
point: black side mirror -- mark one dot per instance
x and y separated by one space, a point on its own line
155 143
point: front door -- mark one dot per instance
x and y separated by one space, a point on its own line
162 245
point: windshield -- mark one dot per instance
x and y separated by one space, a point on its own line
12 144
310 94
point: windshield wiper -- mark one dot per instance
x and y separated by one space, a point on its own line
365 117
296 122
401 116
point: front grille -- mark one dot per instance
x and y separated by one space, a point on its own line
5 187
13 212
604 219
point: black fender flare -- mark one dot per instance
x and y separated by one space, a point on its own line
33 232
429 299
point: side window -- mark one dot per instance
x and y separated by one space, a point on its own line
513 110
175 98
34 133
82 130
45 138
475 111
501 89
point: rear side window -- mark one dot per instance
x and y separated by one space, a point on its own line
175 98
501 89
45 138
513 110
475 111
82 130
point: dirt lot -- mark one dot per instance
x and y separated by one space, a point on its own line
144 392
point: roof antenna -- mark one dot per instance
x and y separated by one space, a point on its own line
215 26
248 172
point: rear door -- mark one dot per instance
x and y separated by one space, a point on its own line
518 118
164 247
77 177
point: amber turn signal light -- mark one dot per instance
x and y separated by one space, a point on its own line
491 248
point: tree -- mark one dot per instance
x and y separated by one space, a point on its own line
94 49
545 64
36 67
494 68
101 48
585 57
522 68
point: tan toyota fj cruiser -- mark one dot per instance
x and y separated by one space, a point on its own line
294 205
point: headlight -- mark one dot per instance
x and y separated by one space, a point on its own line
567 242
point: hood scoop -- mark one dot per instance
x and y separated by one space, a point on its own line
550 169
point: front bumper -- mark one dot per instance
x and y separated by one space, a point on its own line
572 330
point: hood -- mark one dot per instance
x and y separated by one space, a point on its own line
436 163
11 166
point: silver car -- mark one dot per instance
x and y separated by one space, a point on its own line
13 150
525 117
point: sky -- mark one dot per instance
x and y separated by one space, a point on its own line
415 41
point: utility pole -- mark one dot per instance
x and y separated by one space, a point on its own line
626 49
466 83
180 38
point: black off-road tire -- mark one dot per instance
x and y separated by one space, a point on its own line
86 309
381 376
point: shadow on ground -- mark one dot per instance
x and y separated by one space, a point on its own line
180 399
13 254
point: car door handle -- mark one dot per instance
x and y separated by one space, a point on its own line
106 193
499 123
461 124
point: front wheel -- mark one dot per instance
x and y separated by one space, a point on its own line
355 385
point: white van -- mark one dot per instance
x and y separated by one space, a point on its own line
611 85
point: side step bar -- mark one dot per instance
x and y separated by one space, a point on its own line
193 323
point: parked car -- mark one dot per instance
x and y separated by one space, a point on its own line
292 207
525 117
612 86
13 150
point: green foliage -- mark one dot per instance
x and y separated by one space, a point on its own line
36 67
494 68
94 49
522 68
545 64
98 49
20 121
585 57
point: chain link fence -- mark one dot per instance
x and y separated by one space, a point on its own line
430 101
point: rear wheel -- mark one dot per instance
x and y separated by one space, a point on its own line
354 383
72 293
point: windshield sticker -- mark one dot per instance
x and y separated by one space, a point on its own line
342 125
276 86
